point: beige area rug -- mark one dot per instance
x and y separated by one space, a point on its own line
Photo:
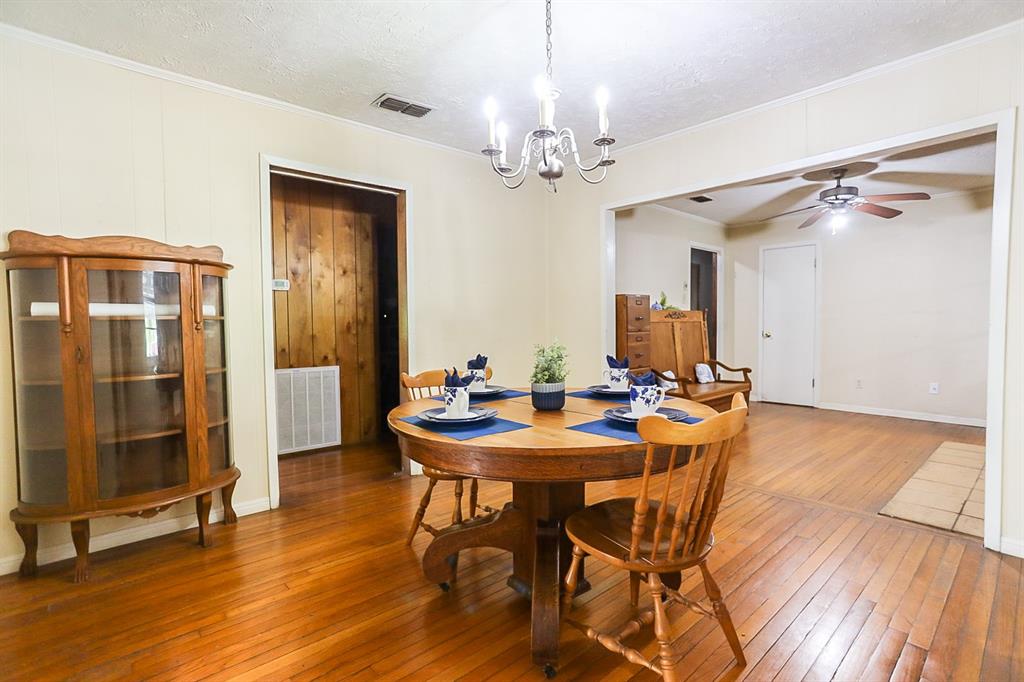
947 492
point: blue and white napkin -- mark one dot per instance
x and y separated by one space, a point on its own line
479 362
453 380
643 380
617 364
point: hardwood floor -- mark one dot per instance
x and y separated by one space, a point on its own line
819 586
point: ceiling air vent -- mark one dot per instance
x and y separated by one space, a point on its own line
402 106
701 199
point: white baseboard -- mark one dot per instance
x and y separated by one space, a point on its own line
1011 546
904 414
48 555
410 467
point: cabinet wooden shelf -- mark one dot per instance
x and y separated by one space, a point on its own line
111 415
131 436
112 318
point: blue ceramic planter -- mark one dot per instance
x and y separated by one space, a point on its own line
548 396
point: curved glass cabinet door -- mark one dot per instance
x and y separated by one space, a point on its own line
135 323
216 372
39 392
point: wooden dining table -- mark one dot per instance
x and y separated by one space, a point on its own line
549 466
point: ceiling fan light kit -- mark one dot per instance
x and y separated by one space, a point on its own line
546 143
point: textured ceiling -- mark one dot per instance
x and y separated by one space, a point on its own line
960 165
668 65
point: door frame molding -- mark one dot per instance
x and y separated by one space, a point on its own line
405 275
816 360
1003 122
719 290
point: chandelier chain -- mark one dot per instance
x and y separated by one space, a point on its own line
547 26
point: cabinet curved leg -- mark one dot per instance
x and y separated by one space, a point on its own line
203 504
80 536
229 512
29 533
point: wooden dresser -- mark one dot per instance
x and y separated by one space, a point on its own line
633 330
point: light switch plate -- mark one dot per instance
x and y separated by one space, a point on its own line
933 388
280 285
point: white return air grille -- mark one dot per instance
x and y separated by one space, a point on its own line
308 409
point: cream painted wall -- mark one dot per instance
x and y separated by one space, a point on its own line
975 78
87 148
903 304
652 251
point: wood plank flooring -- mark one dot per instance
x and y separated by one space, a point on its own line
820 586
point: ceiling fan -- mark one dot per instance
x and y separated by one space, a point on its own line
838 201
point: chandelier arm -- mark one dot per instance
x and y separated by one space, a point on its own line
600 160
505 182
604 172
523 162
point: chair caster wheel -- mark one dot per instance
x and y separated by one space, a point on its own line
549 671
444 586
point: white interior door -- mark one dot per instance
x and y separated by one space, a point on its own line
787 335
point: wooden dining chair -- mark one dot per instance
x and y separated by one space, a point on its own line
425 385
650 538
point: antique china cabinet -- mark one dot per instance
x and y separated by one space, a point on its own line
120 378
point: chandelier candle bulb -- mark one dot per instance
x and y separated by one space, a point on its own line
542 88
602 111
502 144
490 111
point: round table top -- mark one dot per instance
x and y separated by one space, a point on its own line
549 451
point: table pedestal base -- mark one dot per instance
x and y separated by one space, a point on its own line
530 526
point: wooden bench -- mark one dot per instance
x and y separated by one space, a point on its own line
679 340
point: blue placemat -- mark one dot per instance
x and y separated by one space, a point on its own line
467 431
597 396
474 399
613 429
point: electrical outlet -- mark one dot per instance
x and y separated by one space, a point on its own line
860 383
933 388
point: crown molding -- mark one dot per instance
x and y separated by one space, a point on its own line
17 33
903 62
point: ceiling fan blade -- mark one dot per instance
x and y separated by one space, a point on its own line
799 210
946 181
906 196
875 209
813 219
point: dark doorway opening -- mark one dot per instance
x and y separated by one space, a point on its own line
338 301
704 292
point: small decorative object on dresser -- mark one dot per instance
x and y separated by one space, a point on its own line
548 379
120 374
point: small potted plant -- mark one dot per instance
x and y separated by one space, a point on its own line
547 388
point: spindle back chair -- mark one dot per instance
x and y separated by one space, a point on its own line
425 385
650 537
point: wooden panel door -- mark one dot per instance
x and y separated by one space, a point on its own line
325 245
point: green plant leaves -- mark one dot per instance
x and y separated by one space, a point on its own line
550 364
